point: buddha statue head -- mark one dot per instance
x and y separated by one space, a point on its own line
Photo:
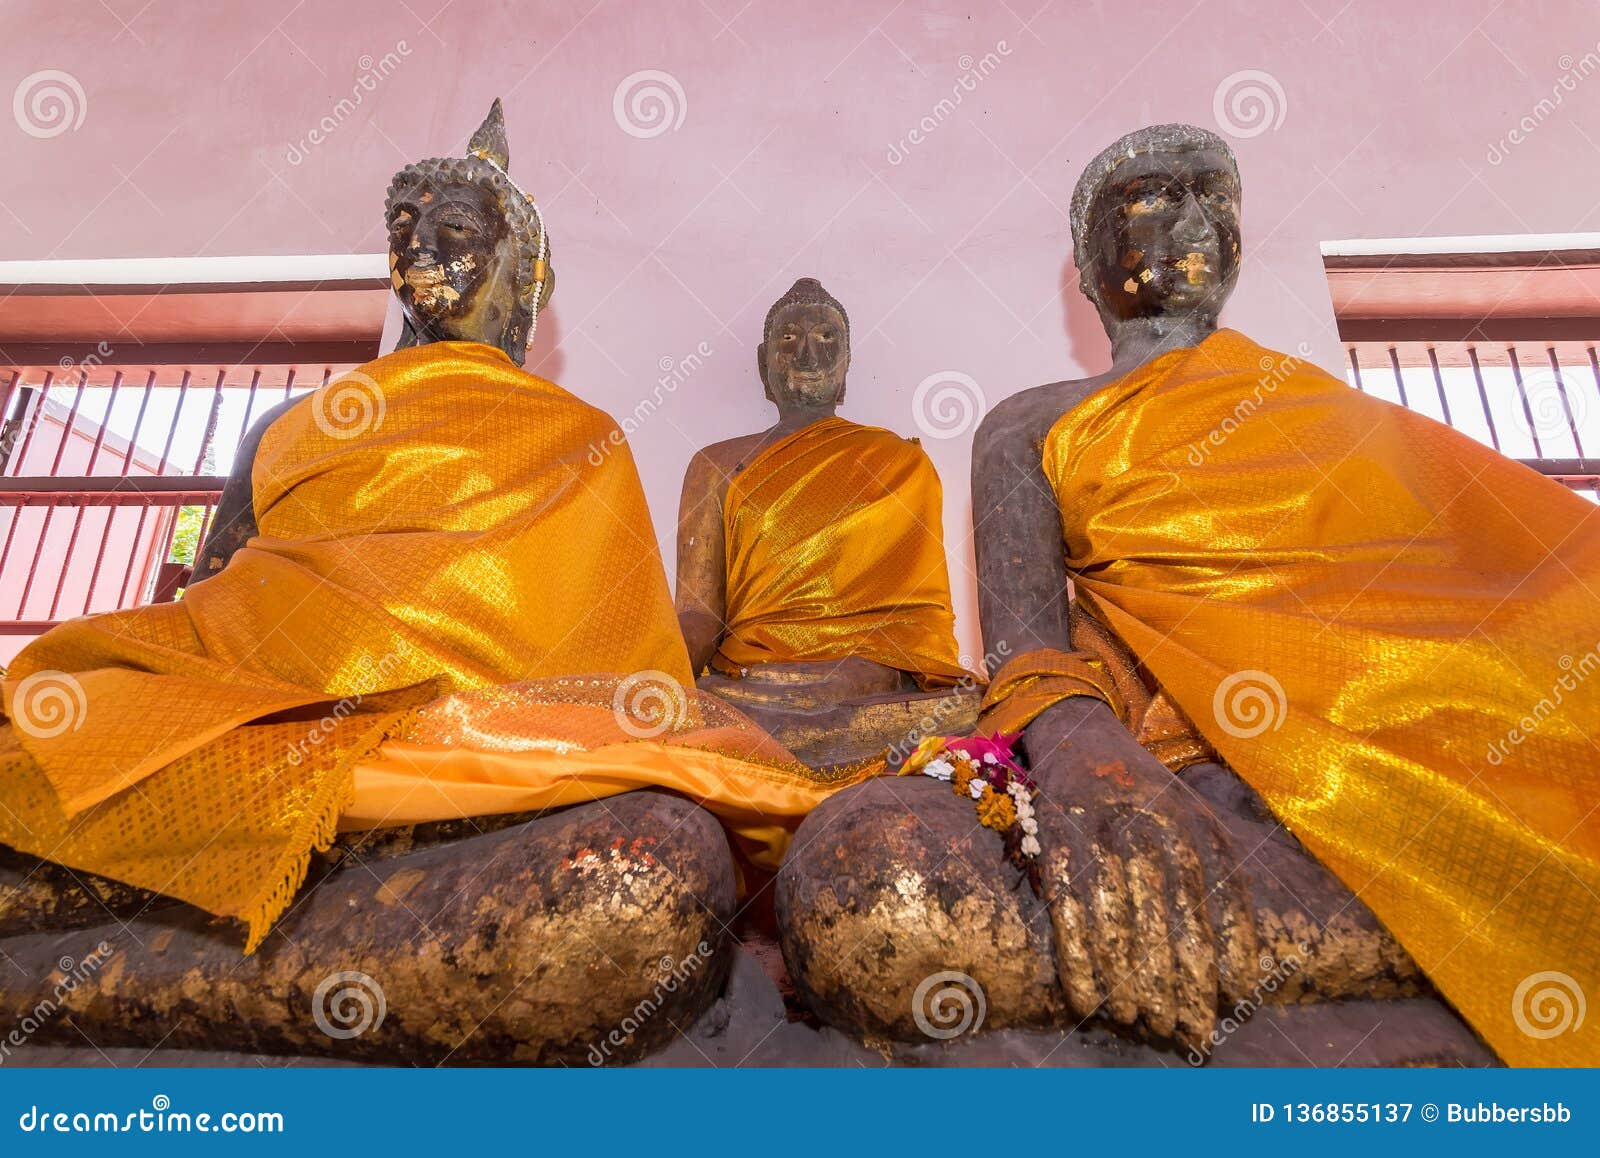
1155 225
469 257
805 350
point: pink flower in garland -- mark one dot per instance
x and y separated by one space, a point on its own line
995 755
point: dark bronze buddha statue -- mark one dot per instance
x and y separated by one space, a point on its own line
812 583
532 938
1166 902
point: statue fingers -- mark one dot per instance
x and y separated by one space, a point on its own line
1067 874
1150 982
1231 912
1112 921
1195 975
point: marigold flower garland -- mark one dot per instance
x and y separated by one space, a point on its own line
985 769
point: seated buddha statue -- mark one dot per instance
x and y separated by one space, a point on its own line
813 590
1292 670
429 622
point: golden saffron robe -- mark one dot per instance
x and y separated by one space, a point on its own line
449 610
835 547
1387 629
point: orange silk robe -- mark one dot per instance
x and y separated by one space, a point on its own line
432 527
1389 630
835 547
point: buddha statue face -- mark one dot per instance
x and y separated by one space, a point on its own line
1161 236
452 263
805 352
468 255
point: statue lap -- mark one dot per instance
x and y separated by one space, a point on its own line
843 712
893 881
532 942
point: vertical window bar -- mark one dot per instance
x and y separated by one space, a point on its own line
163 558
33 422
211 423
133 555
1438 384
250 405
1527 411
99 557
172 431
71 423
113 512
66 560
1355 370
77 516
8 426
205 527
11 533
67 429
5 416
105 422
1566 406
33 567
1483 395
1399 379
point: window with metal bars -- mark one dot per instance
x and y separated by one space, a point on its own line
110 486
1494 336
114 450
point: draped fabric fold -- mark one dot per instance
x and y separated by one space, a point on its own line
1385 628
1102 667
835 547
1027 685
438 521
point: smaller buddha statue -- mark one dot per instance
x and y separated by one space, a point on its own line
813 590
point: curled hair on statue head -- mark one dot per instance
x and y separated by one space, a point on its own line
807 291
1150 139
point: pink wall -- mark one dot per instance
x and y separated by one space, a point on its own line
954 259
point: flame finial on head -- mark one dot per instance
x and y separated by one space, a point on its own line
489 142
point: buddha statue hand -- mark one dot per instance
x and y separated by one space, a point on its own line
1152 925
